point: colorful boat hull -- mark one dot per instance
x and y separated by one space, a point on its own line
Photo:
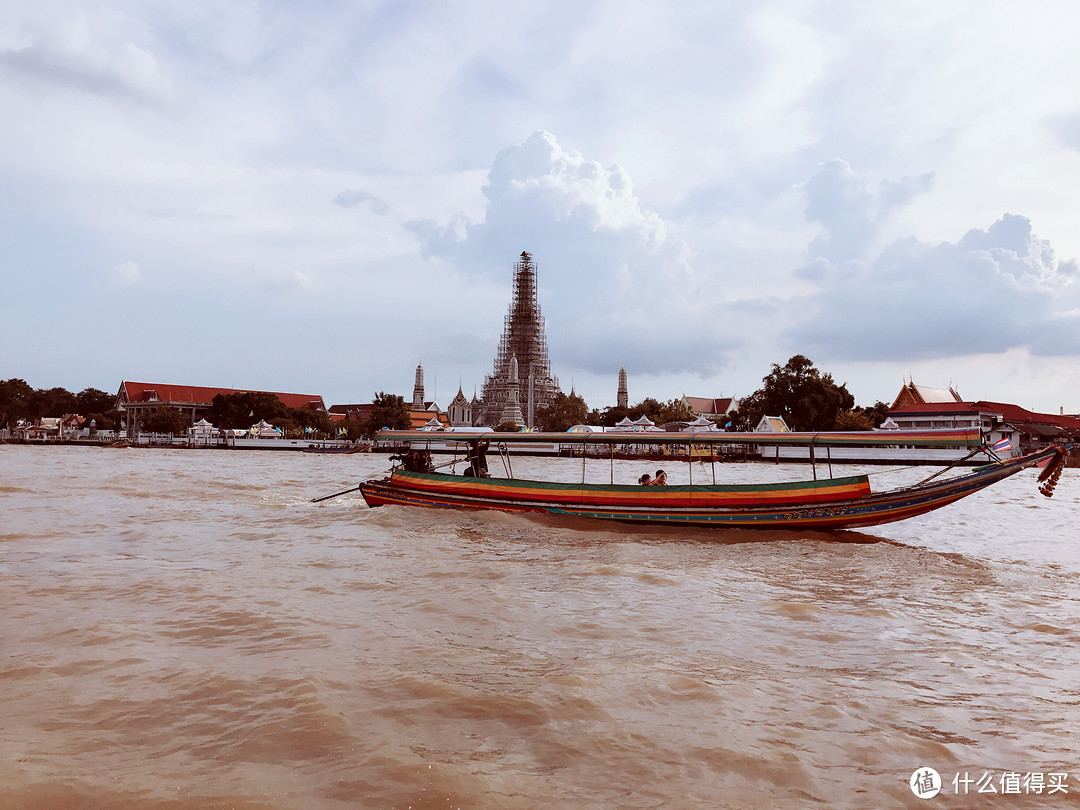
840 503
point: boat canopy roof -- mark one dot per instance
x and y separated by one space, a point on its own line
943 438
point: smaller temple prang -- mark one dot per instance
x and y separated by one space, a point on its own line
511 411
418 390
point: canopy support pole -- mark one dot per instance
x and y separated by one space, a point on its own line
504 454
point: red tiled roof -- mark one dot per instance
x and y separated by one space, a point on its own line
1014 413
202 395
711 405
940 407
421 418
360 411
417 419
1010 413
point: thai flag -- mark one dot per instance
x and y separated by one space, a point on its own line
1002 446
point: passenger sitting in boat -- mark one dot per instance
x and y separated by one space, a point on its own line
661 479
416 461
645 480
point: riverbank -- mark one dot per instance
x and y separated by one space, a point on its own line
167 441
841 455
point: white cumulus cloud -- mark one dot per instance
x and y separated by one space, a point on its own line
851 207
615 280
991 291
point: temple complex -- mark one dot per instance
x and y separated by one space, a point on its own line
521 381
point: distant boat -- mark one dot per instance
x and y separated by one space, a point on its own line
829 503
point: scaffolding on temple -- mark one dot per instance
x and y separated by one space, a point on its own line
523 340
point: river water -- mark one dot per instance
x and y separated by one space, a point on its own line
184 629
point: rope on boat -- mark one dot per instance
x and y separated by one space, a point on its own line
890 470
946 469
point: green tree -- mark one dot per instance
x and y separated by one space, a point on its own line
242 410
803 395
613 415
266 406
322 427
859 418
877 413
15 397
647 407
164 419
389 411
91 400
228 412
565 411
97 406
51 403
18 401
674 410
102 421
855 419
737 420
354 428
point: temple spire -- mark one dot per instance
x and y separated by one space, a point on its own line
511 412
525 343
418 390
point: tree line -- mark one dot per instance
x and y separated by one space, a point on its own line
807 398
19 402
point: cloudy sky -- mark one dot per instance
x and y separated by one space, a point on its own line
316 197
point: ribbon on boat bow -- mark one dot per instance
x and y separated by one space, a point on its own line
1048 478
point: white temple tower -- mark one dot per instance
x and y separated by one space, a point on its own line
511 411
418 390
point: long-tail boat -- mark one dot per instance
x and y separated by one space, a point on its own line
827 503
